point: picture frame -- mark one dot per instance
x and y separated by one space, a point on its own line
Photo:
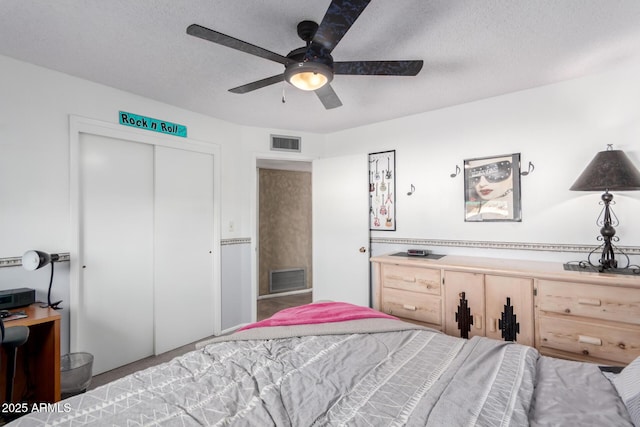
492 189
382 191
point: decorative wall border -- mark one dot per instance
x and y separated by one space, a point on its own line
517 246
17 261
522 246
235 241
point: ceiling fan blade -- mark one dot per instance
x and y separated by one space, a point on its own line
378 68
339 17
228 41
328 97
258 84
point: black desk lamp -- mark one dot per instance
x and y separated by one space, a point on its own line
33 260
609 170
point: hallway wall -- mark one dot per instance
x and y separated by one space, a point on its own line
284 223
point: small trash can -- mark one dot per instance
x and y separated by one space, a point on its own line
75 373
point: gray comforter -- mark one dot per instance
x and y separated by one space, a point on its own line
374 372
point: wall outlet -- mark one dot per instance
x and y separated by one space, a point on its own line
232 226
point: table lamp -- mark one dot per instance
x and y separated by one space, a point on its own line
610 170
33 260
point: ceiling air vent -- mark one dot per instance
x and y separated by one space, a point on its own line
285 143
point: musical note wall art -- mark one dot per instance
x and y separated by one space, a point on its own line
382 188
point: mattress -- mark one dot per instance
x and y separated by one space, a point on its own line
359 371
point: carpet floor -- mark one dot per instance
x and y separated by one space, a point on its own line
266 308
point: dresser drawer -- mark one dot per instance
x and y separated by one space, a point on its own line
413 279
618 344
599 302
412 305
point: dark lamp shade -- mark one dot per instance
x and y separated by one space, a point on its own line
609 170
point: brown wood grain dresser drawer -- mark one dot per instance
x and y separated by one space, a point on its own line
412 305
600 302
620 344
413 279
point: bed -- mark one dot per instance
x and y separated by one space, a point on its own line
332 363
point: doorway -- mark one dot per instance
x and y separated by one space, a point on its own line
284 238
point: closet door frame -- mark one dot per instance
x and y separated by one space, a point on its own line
82 125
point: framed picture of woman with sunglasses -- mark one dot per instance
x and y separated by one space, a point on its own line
492 188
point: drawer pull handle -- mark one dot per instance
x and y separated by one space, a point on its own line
409 307
567 310
477 320
622 346
404 279
493 325
589 340
590 301
585 352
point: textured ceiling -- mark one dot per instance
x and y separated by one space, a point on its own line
471 50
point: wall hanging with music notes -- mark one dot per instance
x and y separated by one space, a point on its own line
382 189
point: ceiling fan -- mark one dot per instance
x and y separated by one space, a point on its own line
312 67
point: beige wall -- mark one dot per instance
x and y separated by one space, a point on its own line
284 223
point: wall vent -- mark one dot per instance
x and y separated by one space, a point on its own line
291 279
285 143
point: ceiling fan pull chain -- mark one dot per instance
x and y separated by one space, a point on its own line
284 100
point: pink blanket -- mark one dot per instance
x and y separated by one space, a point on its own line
319 312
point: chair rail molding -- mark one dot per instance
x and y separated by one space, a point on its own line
523 246
235 241
17 261
64 257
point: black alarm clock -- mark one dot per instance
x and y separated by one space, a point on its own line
417 252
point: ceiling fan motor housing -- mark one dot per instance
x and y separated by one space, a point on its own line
311 54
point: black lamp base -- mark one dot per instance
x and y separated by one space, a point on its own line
585 266
53 305
607 263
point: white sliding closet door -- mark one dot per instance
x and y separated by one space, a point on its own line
116 250
184 243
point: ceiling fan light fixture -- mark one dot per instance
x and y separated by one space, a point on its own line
308 75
